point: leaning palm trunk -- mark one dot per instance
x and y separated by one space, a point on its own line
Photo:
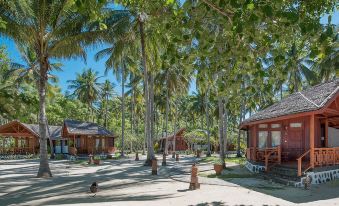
221 131
44 170
150 151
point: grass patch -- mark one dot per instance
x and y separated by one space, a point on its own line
237 160
81 162
228 176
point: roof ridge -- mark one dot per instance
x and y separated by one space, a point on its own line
329 97
308 99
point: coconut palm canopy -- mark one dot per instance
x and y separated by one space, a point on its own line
199 65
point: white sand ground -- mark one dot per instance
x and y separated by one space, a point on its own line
126 182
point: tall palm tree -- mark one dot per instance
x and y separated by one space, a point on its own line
298 65
121 54
54 29
327 64
86 88
107 92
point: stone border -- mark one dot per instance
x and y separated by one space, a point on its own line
253 167
319 177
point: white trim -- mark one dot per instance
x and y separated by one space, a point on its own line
308 99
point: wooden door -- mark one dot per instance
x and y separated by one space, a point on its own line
90 145
295 146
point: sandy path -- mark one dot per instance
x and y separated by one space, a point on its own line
126 182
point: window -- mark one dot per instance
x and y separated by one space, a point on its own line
274 126
262 126
97 143
262 139
276 138
295 125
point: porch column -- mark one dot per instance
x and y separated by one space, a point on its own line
312 133
255 143
326 132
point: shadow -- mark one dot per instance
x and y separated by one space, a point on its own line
185 190
210 204
71 185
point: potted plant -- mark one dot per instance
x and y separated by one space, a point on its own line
218 167
97 160
199 153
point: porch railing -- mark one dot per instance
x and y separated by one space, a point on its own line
17 150
300 163
267 155
322 157
326 156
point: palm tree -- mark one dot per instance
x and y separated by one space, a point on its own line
107 92
327 63
298 65
121 55
55 29
86 88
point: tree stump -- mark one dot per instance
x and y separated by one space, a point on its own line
136 156
177 157
154 167
194 184
163 160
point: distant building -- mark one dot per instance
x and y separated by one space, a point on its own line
86 137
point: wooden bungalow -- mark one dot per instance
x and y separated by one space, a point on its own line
74 137
21 138
302 131
180 144
88 137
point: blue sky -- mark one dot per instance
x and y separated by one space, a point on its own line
71 67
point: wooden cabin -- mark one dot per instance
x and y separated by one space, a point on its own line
301 130
21 138
180 144
86 137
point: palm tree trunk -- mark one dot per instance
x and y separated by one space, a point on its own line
167 111
221 130
175 128
239 131
122 109
106 110
50 142
44 170
208 126
150 151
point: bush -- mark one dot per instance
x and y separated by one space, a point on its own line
59 156
156 147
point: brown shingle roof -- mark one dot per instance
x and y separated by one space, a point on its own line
86 128
311 99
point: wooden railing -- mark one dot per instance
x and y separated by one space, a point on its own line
251 153
17 150
272 155
267 155
300 163
326 156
